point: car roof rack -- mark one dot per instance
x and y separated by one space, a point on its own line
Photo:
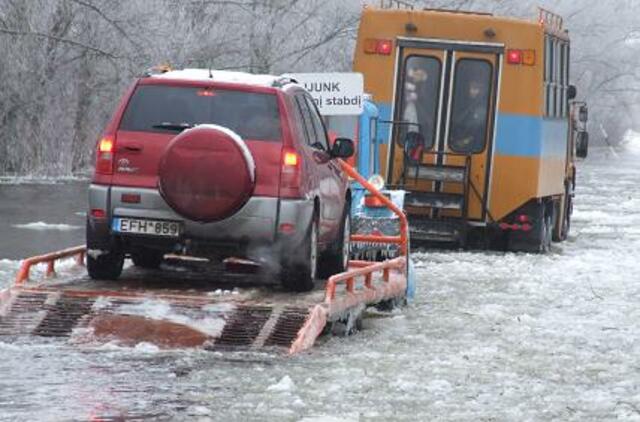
283 80
158 69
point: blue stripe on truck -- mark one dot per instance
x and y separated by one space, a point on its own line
517 134
531 136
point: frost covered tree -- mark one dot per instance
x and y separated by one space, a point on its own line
65 63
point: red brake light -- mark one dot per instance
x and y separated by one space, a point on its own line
375 46
384 47
523 218
104 159
98 213
287 228
106 145
514 56
290 159
290 173
206 93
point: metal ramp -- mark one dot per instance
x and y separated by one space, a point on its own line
254 316
187 303
439 212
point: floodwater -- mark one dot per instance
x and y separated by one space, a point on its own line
38 217
491 336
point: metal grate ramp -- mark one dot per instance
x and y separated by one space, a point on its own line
245 326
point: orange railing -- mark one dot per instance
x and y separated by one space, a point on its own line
366 269
367 272
403 239
25 269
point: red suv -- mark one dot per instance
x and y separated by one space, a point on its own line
218 164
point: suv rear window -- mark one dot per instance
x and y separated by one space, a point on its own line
251 115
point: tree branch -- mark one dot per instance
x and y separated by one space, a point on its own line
107 19
60 40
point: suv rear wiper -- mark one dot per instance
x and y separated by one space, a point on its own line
173 126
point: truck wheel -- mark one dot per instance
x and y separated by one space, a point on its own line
147 258
300 267
107 266
537 240
547 232
566 223
566 227
336 259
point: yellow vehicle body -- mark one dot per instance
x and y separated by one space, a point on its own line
526 154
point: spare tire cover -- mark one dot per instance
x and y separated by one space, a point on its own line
207 173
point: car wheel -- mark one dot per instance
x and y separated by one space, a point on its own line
147 258
299 270
107 266
336 259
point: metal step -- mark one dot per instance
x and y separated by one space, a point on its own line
436 173
432 230
440 200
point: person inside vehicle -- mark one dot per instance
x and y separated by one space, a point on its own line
414 113
469 122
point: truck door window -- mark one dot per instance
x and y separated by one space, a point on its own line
470 108
420 96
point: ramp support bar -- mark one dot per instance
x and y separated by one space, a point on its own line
25 269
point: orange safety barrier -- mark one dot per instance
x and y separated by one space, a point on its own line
367 269
25 269
349 277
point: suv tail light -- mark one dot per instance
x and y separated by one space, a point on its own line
290 172
105 155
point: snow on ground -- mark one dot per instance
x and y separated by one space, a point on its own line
491 337
631 142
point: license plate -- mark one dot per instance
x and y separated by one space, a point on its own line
148 227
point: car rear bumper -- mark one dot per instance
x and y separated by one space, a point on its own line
256 224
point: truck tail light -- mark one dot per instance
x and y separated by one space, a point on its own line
523 57
290 172
514 56
105 155
375 46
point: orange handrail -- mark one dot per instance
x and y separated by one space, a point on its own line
349 277
403 240
25 269
362 268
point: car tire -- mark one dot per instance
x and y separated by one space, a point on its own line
147 258
300 268
336 259
107 266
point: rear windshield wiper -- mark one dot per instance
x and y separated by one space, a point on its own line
173 126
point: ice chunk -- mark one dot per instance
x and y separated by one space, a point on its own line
284 385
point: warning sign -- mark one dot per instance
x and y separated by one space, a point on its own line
334 93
